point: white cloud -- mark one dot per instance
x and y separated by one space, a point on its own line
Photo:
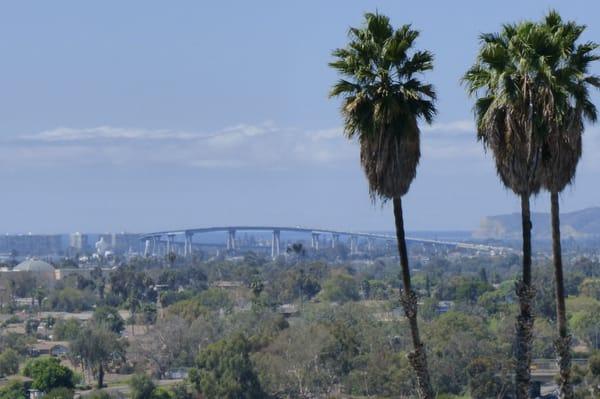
326 134
242 145
236 146
110 133
67 134
450 147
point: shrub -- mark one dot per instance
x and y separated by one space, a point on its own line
48 373
141 386
13 390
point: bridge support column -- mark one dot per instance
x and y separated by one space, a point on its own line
162 246
370 242
275 248
146 248
187 248
230 240
170 243
353 245
154 246
315 241
334 240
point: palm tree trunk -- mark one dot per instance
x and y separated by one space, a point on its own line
526 293
563 342
418 357
100 376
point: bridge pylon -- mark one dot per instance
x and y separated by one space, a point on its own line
275 244
231 240
315 241
353 244
187 249
170 243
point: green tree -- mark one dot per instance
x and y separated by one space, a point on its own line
96 348
48 373
216 299
99 281
586 324
17 342
498 300
142 386
161 393
469 289
70 299
484 382
455 338
299 282
594 364
110 318
39 294
134 304
340 288
562 150
13 390
66 329
517 93
9 362
383 101
180 391
131 285
483 275
224 370
590 287
292 364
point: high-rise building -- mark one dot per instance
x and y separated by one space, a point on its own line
31 244
78 242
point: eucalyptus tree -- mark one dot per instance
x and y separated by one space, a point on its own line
95 348
515 110
383 101
562 151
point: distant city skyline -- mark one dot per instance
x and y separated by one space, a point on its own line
142 117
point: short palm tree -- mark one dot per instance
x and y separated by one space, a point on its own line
561 154
383 102
514 112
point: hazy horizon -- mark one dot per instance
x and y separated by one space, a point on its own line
143 117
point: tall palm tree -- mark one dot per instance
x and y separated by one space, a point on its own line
383 102
514 112
562 151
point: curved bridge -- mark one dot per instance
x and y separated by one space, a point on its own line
154 240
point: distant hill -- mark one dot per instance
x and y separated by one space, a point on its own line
579 224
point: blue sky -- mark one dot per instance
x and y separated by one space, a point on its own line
147 115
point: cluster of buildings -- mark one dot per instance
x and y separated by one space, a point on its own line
29 245
116 243
32 244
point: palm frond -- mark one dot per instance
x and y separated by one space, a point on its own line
382 100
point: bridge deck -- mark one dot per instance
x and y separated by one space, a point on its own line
307 230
